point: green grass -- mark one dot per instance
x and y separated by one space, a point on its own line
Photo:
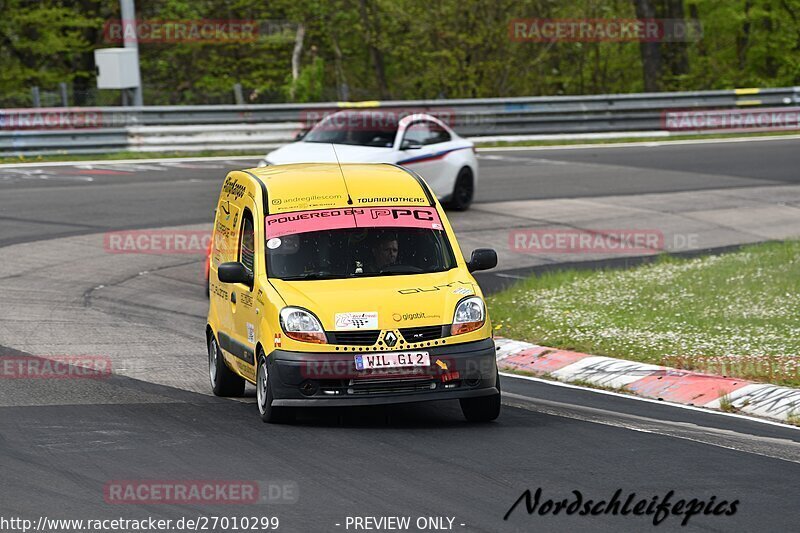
127 155
734 314
500 144
726 404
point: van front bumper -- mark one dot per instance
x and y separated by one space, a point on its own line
457 371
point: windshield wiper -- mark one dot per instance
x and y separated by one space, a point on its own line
400 269
313 275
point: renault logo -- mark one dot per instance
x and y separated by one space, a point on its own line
390 338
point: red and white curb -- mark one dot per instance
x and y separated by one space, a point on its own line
650 381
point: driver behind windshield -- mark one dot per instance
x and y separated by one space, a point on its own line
383 252
292 261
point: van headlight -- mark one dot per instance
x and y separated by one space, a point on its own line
470 315
302 325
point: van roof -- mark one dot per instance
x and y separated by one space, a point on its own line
306 186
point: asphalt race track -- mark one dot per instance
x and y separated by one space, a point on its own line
63 441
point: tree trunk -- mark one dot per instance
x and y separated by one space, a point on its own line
374 52
650 53
743 41
676 55
342 90
296 53
695 15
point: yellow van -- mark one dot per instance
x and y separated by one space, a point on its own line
342 285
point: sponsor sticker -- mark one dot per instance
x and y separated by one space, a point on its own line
351 321
251 333
246 370
357 217
398 317
459 290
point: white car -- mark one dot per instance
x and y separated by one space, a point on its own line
421 142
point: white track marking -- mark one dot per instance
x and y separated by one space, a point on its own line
650 400
639 144
772 447
134 161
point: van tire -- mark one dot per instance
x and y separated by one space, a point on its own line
269 413
484 408
224 382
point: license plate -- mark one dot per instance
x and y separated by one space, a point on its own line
392 360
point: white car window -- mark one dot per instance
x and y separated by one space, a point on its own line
437 134
425 132
417 132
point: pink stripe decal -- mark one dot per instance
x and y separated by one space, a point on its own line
305 221
356 217
399 217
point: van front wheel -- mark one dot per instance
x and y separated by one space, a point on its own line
269 413
223 381
483 408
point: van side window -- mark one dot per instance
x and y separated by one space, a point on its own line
247 241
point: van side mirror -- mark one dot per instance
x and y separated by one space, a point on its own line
235 273
482 259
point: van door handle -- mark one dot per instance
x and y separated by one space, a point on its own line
233 297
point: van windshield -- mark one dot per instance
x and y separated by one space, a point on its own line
356 241
358 252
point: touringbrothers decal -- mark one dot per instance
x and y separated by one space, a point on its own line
355 217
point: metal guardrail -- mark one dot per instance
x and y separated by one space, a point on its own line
260 126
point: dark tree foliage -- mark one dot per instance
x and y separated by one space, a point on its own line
399 49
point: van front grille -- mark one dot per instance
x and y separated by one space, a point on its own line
390 385
358 338
423 333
